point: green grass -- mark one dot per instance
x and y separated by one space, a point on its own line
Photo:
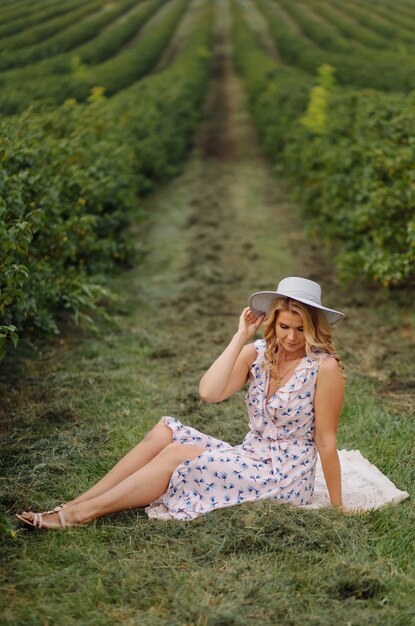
70 410
73 411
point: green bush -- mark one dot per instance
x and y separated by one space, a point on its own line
350 154
370 19
351 29
114 74
70 182
12 11
67 192
326 37
49 28
58 51
356 66
40 14
358 182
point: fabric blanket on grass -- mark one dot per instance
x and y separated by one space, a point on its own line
364 486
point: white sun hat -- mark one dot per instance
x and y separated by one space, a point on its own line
301 289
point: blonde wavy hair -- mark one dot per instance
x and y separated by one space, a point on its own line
317 330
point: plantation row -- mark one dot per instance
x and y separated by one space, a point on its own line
71 181
114 74
381 26
72 175
69 58
348 152
15 23
44 30
312 43
11 11
122 23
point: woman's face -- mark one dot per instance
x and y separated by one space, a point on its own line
289 330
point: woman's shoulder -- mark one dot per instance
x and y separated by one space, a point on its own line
320 355
322 360
328 365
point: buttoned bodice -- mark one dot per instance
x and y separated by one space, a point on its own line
288 416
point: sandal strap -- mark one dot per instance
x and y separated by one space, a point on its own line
61 518
56 509
37 520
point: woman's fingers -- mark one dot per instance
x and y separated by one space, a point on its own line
247 315
250 315
260 319
254 319
249 321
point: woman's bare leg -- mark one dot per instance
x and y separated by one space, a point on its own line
137 490
154 441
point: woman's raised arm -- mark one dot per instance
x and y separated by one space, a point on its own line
230 370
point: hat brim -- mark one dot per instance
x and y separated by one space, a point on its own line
261 302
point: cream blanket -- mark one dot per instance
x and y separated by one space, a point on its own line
364 486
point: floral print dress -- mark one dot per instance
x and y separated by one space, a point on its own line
276 459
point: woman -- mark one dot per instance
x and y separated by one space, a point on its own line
294 402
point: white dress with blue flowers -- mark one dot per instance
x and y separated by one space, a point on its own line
276 459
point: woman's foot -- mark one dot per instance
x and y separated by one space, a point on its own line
62 516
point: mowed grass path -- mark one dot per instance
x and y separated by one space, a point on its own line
223 229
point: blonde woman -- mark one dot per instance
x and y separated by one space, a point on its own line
294 402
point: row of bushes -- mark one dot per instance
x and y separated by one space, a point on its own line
12 11
102 44
350 28
42 31
18 23
367 16
88 30
71 178
325 35
360 67
113 75
349 154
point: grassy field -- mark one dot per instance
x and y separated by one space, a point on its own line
71 408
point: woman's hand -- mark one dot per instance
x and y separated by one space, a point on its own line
249 323
351 510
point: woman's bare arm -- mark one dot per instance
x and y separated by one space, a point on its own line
230 370
328 403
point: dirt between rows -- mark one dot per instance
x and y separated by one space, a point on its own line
244 234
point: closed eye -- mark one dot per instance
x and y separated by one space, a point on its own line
284 327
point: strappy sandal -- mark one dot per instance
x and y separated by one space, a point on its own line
56 509
37 521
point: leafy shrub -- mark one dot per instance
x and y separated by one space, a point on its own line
67 192
356 65
351 29
114 74
50 27
12 26
70 182
99 46
353 167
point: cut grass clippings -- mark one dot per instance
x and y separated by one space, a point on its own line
70 411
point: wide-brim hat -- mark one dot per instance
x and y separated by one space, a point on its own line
300 289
